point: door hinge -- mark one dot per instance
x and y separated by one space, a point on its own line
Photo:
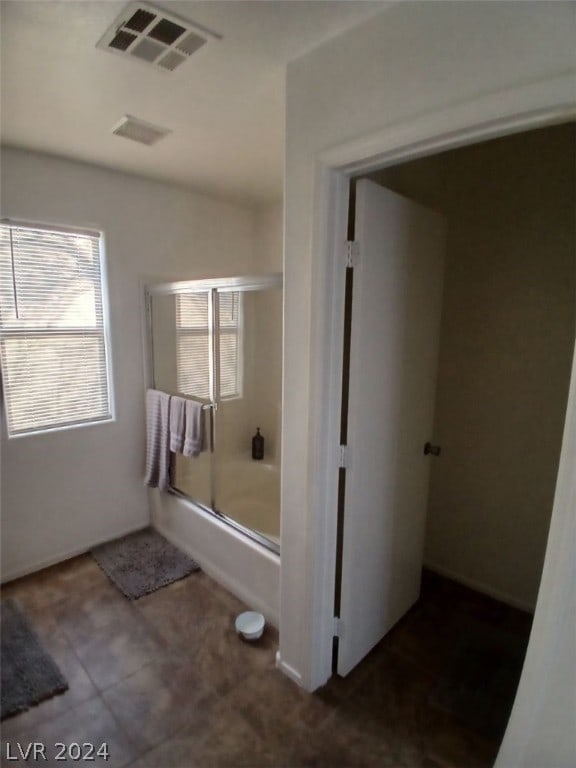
337 627
343 462
352 253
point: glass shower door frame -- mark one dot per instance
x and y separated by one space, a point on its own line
213 288
212 406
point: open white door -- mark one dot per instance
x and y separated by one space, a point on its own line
396 308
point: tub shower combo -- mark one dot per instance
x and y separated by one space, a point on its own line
219 342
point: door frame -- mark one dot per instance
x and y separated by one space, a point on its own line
488 117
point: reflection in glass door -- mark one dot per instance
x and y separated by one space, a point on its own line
249 378
195 379
183 364
221 344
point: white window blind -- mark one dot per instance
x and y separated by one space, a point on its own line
195 342
52 328
193 345
229 343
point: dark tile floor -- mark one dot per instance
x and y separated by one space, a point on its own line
166 683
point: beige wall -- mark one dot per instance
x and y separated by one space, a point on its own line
267 381
269 238
263 374
505 355
65 491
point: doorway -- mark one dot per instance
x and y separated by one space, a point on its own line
507 340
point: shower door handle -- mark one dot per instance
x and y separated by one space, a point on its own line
211 408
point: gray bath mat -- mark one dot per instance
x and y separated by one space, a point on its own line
142 562
29 675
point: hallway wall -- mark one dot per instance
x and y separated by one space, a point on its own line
507 339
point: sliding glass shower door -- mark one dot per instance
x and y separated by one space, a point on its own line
195 379
249 350
182 364
221 344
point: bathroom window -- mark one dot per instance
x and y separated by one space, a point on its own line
53 334
195 344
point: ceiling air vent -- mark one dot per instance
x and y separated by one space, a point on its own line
139 130
155 37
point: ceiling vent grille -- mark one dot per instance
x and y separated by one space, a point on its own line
152 36
139 130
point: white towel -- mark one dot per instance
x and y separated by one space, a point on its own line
158 458
177 424
194 437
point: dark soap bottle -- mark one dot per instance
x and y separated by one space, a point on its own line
258 445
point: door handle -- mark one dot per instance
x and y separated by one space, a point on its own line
435 450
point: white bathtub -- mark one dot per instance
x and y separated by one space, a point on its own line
247 491
250 494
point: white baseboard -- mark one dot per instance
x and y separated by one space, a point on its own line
479 586
66 555
289 671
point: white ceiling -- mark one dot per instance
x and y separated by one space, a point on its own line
225 106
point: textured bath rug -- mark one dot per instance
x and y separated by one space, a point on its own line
482 679
142 562
29 675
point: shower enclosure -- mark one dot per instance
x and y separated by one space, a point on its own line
220 342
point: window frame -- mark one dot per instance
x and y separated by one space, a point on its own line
36 332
